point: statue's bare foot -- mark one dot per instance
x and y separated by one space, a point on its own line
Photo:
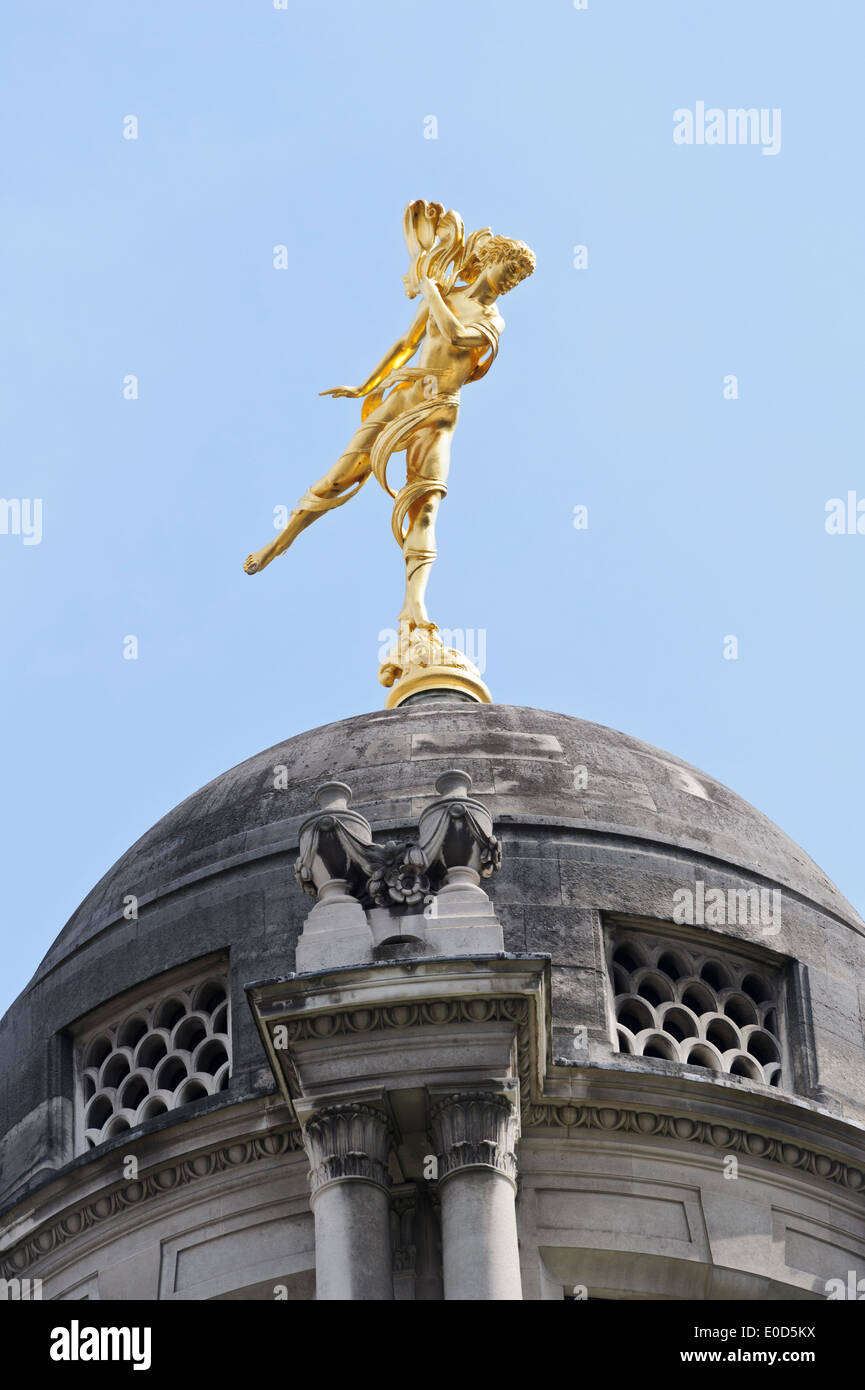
297 522
258 559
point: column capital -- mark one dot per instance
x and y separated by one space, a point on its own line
474 1129
348 1142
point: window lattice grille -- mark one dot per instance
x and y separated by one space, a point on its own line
157 1057
706 1009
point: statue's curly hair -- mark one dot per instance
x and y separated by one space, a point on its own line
516 256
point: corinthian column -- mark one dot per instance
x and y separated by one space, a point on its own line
474 1134
348 1149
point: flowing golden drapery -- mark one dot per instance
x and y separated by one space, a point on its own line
397 434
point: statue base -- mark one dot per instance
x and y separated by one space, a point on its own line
420 663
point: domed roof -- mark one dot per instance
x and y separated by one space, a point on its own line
528 765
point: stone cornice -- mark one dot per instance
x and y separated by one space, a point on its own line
218 1119
779 1131
424 993
662 1088
622 1119
437 1013
157 1182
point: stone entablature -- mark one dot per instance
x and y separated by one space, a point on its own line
91 1201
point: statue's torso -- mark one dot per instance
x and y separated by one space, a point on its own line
457 364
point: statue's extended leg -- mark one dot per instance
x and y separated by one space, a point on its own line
419 552
427 460
338 486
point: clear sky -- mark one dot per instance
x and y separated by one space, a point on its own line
305 127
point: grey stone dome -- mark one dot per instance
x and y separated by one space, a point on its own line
523 763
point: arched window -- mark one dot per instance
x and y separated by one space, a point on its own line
699 1007
154 1058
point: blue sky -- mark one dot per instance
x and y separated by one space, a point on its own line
305 127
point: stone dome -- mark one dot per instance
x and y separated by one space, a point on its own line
525 764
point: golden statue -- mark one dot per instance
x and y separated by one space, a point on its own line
415 409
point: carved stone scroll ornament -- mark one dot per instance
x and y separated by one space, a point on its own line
361 888
456 832
336 847
333 842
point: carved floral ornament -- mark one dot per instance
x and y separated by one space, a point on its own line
455 834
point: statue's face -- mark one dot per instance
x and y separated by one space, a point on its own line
497 276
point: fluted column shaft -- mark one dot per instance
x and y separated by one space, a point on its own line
348 1149
474 1135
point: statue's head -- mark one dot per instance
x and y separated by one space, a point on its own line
505 261
438 248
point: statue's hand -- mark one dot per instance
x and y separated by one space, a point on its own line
342 391
428 288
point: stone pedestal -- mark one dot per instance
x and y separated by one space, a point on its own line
462 920
348 1148
474 1134
421 895
336 932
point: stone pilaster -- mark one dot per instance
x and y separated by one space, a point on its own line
403 1218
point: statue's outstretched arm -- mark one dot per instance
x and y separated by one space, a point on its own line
404 348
